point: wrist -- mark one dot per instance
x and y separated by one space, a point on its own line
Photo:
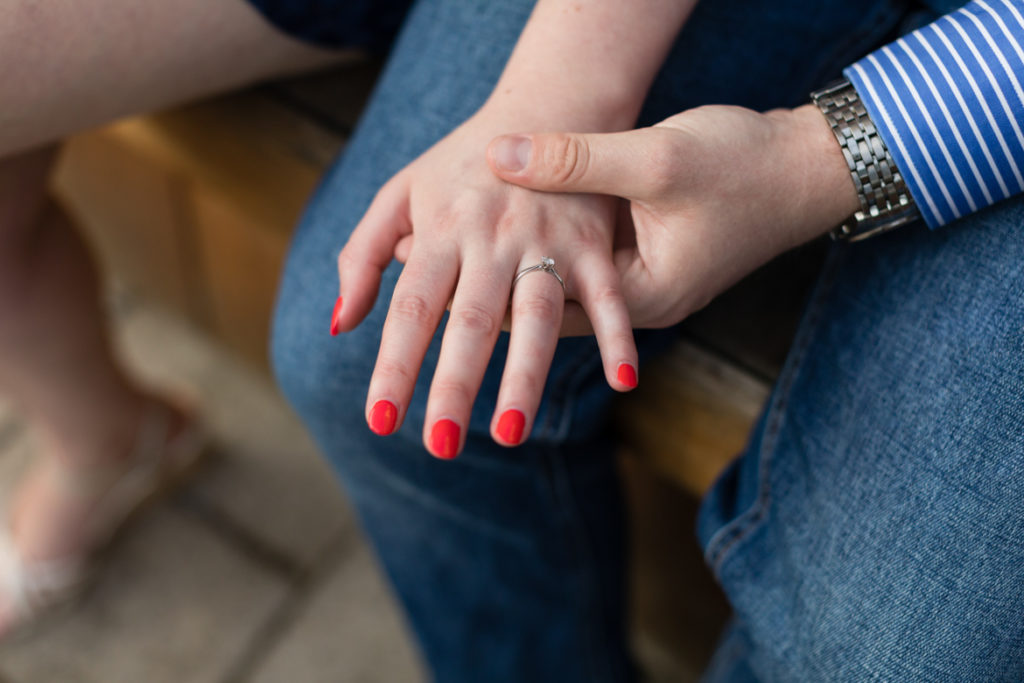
540 107
824 190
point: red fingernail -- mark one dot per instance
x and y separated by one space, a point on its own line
383 417
510 427
627 375
334 318
444 439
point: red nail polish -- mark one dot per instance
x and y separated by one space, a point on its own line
383 417
627 375
510 427
444 439
334 318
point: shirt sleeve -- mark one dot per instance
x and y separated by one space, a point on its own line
947 99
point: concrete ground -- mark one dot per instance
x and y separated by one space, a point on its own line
255 572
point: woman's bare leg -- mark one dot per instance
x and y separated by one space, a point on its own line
55 359
70 65
67 66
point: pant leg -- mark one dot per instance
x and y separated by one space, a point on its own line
509 563
346 24
875 528
503 560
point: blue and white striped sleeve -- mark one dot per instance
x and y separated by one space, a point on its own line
948 101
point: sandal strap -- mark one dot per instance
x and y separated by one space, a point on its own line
33 586
30 587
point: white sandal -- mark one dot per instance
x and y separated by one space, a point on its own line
32 589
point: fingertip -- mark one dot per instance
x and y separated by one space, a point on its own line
510 428
509 155
444 440
359 295
335 317
626 376
383 418
403 249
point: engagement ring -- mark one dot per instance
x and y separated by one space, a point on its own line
546 265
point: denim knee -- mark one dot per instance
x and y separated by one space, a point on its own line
873 528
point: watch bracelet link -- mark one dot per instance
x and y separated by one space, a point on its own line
885 201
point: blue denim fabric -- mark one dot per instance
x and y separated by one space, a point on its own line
874 530
367 24
510 563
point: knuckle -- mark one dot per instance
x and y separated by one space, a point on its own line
566 159
451 390
392 370
524 382
446 218
347 259
607 296
412 309
509 223
476 319
543 309
624 340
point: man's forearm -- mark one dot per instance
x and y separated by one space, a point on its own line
588 64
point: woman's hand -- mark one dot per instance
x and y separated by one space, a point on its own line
714 193
473 233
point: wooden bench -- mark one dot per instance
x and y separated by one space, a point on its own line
194 207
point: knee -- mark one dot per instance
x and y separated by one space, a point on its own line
323 377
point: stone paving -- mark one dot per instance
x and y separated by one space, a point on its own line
254 572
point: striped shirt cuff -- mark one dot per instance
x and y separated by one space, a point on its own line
949 103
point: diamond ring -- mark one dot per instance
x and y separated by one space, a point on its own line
547 265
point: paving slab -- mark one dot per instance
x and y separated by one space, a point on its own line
269 478
174 604
350 630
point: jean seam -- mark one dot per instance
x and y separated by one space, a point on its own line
579 555
737 530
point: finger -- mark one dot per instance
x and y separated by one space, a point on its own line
629 164
403 249
469 337
416 308
537 304
368 252
599 290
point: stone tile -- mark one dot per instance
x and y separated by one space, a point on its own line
350 631
174 604
270 479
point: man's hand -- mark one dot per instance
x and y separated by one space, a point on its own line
714 193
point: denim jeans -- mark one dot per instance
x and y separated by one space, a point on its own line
874 527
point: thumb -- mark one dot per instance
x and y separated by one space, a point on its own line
613 164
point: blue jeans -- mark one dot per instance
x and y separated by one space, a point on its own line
874 528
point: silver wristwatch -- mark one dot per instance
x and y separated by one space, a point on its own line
885 202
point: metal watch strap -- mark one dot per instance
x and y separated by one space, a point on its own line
884 199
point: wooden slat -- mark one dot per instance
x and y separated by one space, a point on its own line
259 155
692 414
241 266
131 210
